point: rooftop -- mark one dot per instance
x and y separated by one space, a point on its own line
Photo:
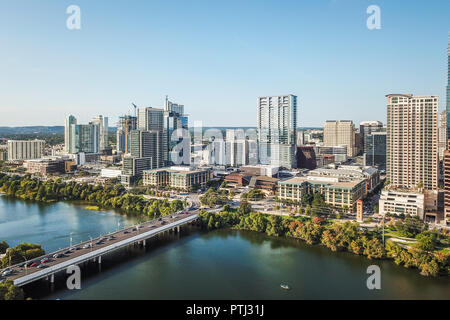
325 181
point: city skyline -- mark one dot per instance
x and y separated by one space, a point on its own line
326 48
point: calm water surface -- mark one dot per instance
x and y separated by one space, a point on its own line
203 265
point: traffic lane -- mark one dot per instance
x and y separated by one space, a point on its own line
118 236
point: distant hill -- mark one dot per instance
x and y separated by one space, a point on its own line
37 130
32 130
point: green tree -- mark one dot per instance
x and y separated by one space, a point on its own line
8 291
3 247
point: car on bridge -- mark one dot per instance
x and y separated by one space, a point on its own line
34 264
45 260
7 272
58 255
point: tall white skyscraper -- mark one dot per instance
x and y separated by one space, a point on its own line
102 123
277 125
412 141
237 147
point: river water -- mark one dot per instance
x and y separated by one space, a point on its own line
222 264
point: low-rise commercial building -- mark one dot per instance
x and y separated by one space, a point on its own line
110 173
260 170
178 177
350 173
339 194
402 201
45 166
238 179
264 183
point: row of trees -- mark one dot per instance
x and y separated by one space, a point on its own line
346 236
105 197
21 253
253 195
428 262
213 198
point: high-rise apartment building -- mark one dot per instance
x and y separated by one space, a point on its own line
366 128
177 142
442 130
237 148
448 89
147 144
340 133
447 152
375 150
87 138
25 149
447 186
412 141
69 134
151 119
102 123
277 125
125 125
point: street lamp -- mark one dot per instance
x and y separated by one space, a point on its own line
90 242
25 258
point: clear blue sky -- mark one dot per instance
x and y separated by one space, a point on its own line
216 57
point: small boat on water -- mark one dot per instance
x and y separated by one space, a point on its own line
285 286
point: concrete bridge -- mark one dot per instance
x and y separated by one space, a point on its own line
94 249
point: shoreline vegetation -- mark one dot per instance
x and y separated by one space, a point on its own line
336 236
95 197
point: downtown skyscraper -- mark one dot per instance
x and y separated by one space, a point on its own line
277 126
87 138
177 143
340 133
412 141
125 125
448 88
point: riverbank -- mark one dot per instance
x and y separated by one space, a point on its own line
346 236
105 197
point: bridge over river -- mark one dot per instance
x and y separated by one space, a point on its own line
94 249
